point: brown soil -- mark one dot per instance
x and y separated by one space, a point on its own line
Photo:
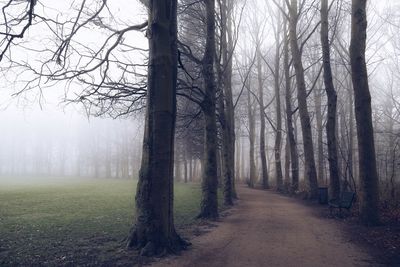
268 229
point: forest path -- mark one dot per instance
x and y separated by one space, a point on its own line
267 229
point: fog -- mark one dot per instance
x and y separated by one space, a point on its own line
50 142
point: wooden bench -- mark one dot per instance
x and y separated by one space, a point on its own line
344 202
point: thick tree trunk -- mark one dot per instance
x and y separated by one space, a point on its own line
230 109
369 187
153 231
294 155
209 202
310 170
227 157
263 157
227 111
334 180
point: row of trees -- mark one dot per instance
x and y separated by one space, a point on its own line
299 54
193 86
208 66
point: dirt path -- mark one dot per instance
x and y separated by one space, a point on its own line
267 229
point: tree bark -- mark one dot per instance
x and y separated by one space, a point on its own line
310 170
263 157
350 156
238 158
294 155
278 136
369 187
242 161
320 145
209 202
226 104
286 182
334 180
342 162
252 133
230 109
153 231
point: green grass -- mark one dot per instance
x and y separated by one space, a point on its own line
75 222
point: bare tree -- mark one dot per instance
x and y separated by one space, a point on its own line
310 170
277 86
15 26
294 158
263 157
153 231
332 100
252 136
369 187
226 113
209 203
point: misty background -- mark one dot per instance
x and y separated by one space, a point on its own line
51 142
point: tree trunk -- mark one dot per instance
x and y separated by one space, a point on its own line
178 171
220 167
320 145
334 180
369 187
352 162
263 158
242 161
238 158
185 165
226 112
294 155
278 137
209 202
191 169
286 182
252 133
195 175
310 170
230 109
342 161
153 231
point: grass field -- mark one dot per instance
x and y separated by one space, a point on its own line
75 222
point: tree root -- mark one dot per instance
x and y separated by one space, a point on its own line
150 245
